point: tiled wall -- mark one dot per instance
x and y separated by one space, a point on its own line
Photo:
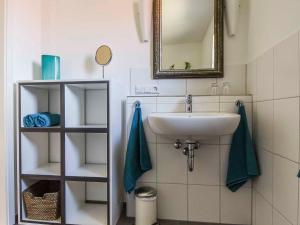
234 74
273 79
200 195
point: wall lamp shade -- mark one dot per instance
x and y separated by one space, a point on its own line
232 15
145 17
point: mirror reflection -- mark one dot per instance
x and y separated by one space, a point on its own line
187 34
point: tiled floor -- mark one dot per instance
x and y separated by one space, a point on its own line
130 221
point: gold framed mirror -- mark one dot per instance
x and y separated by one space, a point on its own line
188 39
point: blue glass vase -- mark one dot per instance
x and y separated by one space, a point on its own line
50 67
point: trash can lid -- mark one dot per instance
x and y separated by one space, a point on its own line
145 192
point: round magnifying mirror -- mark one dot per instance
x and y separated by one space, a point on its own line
103 55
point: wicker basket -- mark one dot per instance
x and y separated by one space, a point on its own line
42 200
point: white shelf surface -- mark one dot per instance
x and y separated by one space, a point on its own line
88 214
46 128
90 170
43 221
88 126
50 169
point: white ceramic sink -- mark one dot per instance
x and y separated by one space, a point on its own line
197 126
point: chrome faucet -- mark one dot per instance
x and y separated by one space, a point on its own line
188 104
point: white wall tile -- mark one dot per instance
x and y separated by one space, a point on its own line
226 140
286 68
264 184
206 99
278 219
265 76
251 79
172 87
199 86
264 125
233 99
286 128
143 100
285 188
150 176
170 107
224 154
171 165
236 76
170 100
206 166
172 201
203 203
206 107
236 207
263 211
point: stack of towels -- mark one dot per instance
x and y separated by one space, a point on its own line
43 119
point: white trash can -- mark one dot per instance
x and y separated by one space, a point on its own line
145 206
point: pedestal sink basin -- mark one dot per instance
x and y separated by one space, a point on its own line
193 126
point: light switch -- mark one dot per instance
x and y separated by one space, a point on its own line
147 89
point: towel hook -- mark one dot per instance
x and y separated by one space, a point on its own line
239 103
137 103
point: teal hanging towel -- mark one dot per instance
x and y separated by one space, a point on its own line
137 157
242 164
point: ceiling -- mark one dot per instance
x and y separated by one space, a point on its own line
185 21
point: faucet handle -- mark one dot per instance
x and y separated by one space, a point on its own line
188 99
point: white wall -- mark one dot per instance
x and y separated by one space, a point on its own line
75 31
3 153
23 59
271 21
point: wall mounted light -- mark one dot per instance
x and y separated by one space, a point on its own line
232 12
145 17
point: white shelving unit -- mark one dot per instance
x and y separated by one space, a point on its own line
78 153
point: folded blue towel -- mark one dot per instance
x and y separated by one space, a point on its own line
137 157
28 120
242 158
47 120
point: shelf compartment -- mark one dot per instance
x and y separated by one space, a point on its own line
83 203
25 183
40 153
86 155
86 105
39 98
49 169
90 170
